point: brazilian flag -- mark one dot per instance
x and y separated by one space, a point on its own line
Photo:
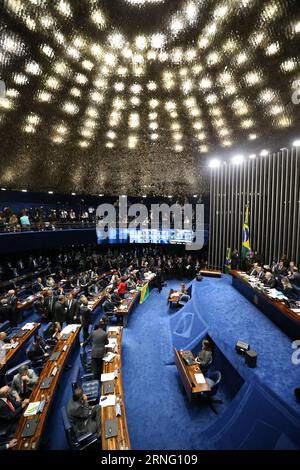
228 260
144 293
246 236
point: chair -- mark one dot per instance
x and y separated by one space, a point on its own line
77 443
215 378
9 375
184 300
37 364
85 358
5 327
90 387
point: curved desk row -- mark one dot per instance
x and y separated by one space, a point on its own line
284 317
63 349
120 441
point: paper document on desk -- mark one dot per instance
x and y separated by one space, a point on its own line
296 310
107 400
114 329
70 329
200 379
109 357
28 326
32 409
108 377
112 343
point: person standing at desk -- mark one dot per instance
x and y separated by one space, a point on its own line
99 340
85 316
72 308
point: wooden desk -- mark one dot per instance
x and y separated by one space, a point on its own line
210 273
23 305
129 304
33 443
187 375
11 353
287 320
122 440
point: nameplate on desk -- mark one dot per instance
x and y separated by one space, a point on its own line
110 427
30 427
46 383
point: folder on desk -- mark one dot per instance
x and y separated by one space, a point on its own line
46 383
110 427
109 387
30 427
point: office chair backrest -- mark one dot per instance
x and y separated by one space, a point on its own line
5 326
70 433
216 377
75 378
47 330
9 375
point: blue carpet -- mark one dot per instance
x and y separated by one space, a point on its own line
159 416
230 317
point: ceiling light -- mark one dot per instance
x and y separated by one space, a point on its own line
237 159
215 163
264 153
252 156
296 143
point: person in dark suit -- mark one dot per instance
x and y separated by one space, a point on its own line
38 350
10 410
40 307
85 315
72 307
108 306
12 443
83 417
5 310
12 301
269 280
50 300
99 340
60 310
235 259
38 285
280 269
260 275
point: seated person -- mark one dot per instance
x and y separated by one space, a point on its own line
109 306
131 283
279 269
24 381
10 410
253 271
38 285
287 289
93 289
205 356
115 298
260 275
54 332
50 282
82 416
269 280
39 350
183 293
